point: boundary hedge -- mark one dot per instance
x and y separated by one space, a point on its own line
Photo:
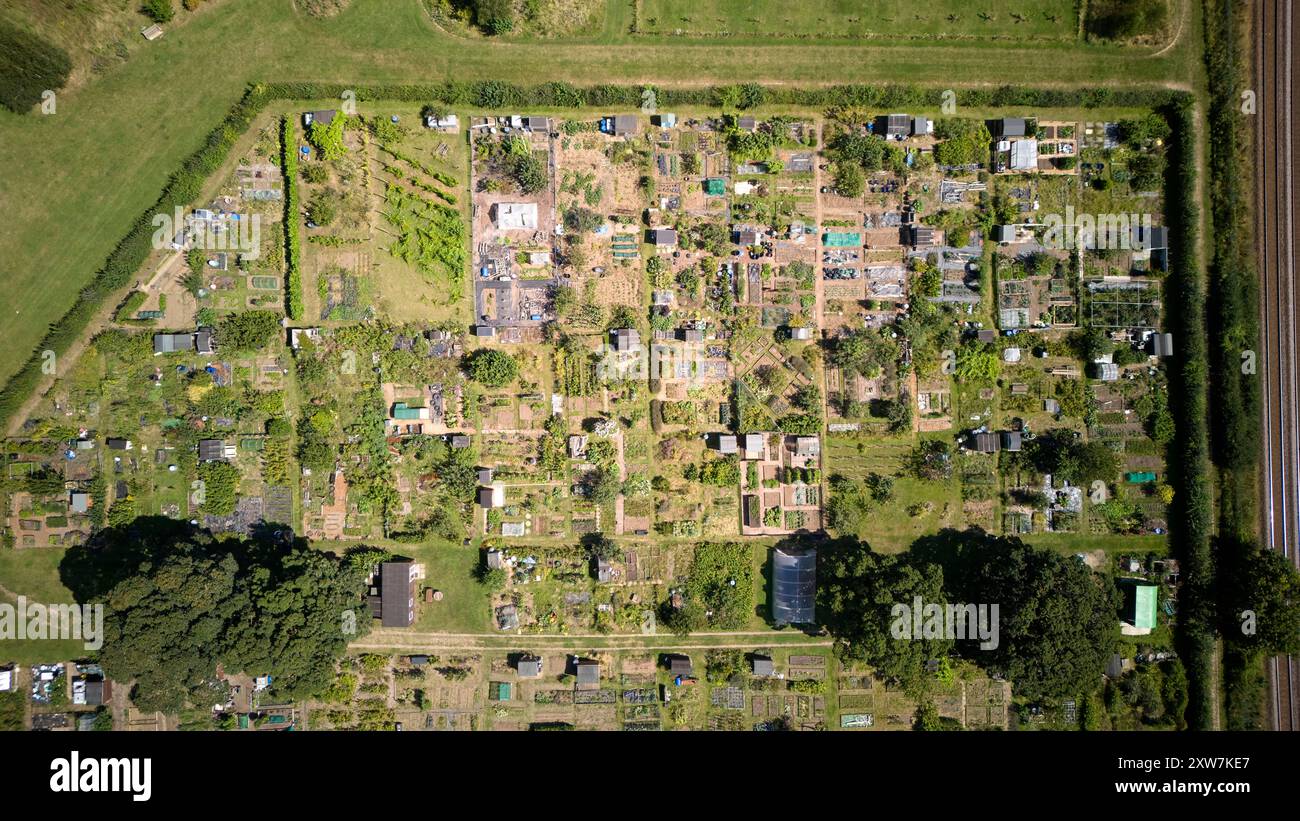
293 305
1188 460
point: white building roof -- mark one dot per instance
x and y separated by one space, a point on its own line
1024 155
515 216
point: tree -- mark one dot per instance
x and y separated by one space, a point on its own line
598 546
323 209
1056 620
492 367
857 593
880 487
1263 598
248 330
849 180
160 11
1058 452
930 460
179 604
808 398
494 16
865 352
961 142
602 485
315 450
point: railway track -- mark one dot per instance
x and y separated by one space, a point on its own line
1275 76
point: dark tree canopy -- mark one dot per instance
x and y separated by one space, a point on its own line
248 331
492 367
1056 619
1263 603
857 591
179 603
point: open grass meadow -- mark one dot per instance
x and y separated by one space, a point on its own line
35 575
830 19
74 180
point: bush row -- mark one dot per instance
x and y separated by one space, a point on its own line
494 94
292 241
1188 458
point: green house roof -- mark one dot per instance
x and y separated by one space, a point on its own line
402 411
1144 605
1141 477
841 239
715 186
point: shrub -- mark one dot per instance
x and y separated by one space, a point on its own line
492 367
160 11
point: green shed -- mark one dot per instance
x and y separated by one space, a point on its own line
715 186
402 411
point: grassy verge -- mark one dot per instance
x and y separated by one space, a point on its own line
1234 324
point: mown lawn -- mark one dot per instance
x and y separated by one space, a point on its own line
448 568
35 575
1041 19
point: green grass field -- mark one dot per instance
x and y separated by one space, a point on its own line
35 574
1000 19
76 179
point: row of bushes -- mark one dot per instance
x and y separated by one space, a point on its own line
494 94
1189 458
185 185
292 242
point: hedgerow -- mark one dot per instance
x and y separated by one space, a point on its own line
1189 459
1234 325
293 304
